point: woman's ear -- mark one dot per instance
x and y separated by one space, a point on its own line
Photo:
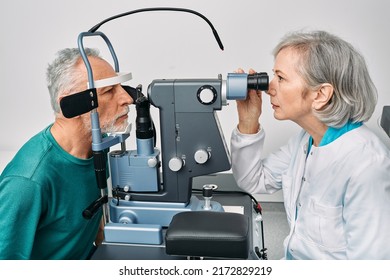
323 96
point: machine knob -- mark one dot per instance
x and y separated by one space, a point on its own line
201 156
207 95
152 162
175 164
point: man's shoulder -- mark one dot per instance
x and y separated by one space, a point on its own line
29 156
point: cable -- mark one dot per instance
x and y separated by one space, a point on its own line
97 26
254 200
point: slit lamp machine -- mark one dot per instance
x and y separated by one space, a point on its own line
150 188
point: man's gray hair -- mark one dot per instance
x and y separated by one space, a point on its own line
62 75
325 58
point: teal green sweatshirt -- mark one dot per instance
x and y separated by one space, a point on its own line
43 192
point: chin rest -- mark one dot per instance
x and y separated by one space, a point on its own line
208 234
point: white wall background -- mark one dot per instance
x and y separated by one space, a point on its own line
173 45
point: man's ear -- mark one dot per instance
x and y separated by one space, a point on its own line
323 96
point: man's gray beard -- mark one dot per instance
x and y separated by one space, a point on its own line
111 127
108 127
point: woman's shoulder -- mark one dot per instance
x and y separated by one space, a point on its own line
363 136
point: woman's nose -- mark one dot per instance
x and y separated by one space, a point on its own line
271 87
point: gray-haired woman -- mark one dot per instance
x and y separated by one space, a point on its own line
335 174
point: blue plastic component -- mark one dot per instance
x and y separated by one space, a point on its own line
133 233
133 170
237 86
141 222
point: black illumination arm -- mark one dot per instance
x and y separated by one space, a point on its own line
97 26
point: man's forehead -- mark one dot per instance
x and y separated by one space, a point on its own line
105 75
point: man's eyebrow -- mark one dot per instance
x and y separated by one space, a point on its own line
107 88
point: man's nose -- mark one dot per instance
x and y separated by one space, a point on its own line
125 97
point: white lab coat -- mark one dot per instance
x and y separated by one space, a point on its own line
337 199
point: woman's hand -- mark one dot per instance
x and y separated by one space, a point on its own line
249 110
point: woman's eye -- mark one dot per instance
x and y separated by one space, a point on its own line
279 77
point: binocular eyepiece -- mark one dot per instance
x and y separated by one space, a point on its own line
258 81
238 84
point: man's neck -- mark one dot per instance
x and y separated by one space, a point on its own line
73 137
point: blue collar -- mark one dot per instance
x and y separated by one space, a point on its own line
333 133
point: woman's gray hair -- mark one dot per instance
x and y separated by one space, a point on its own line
325 58
62 75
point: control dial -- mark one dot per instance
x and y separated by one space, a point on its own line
152 162
207 95
201 156
175 164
